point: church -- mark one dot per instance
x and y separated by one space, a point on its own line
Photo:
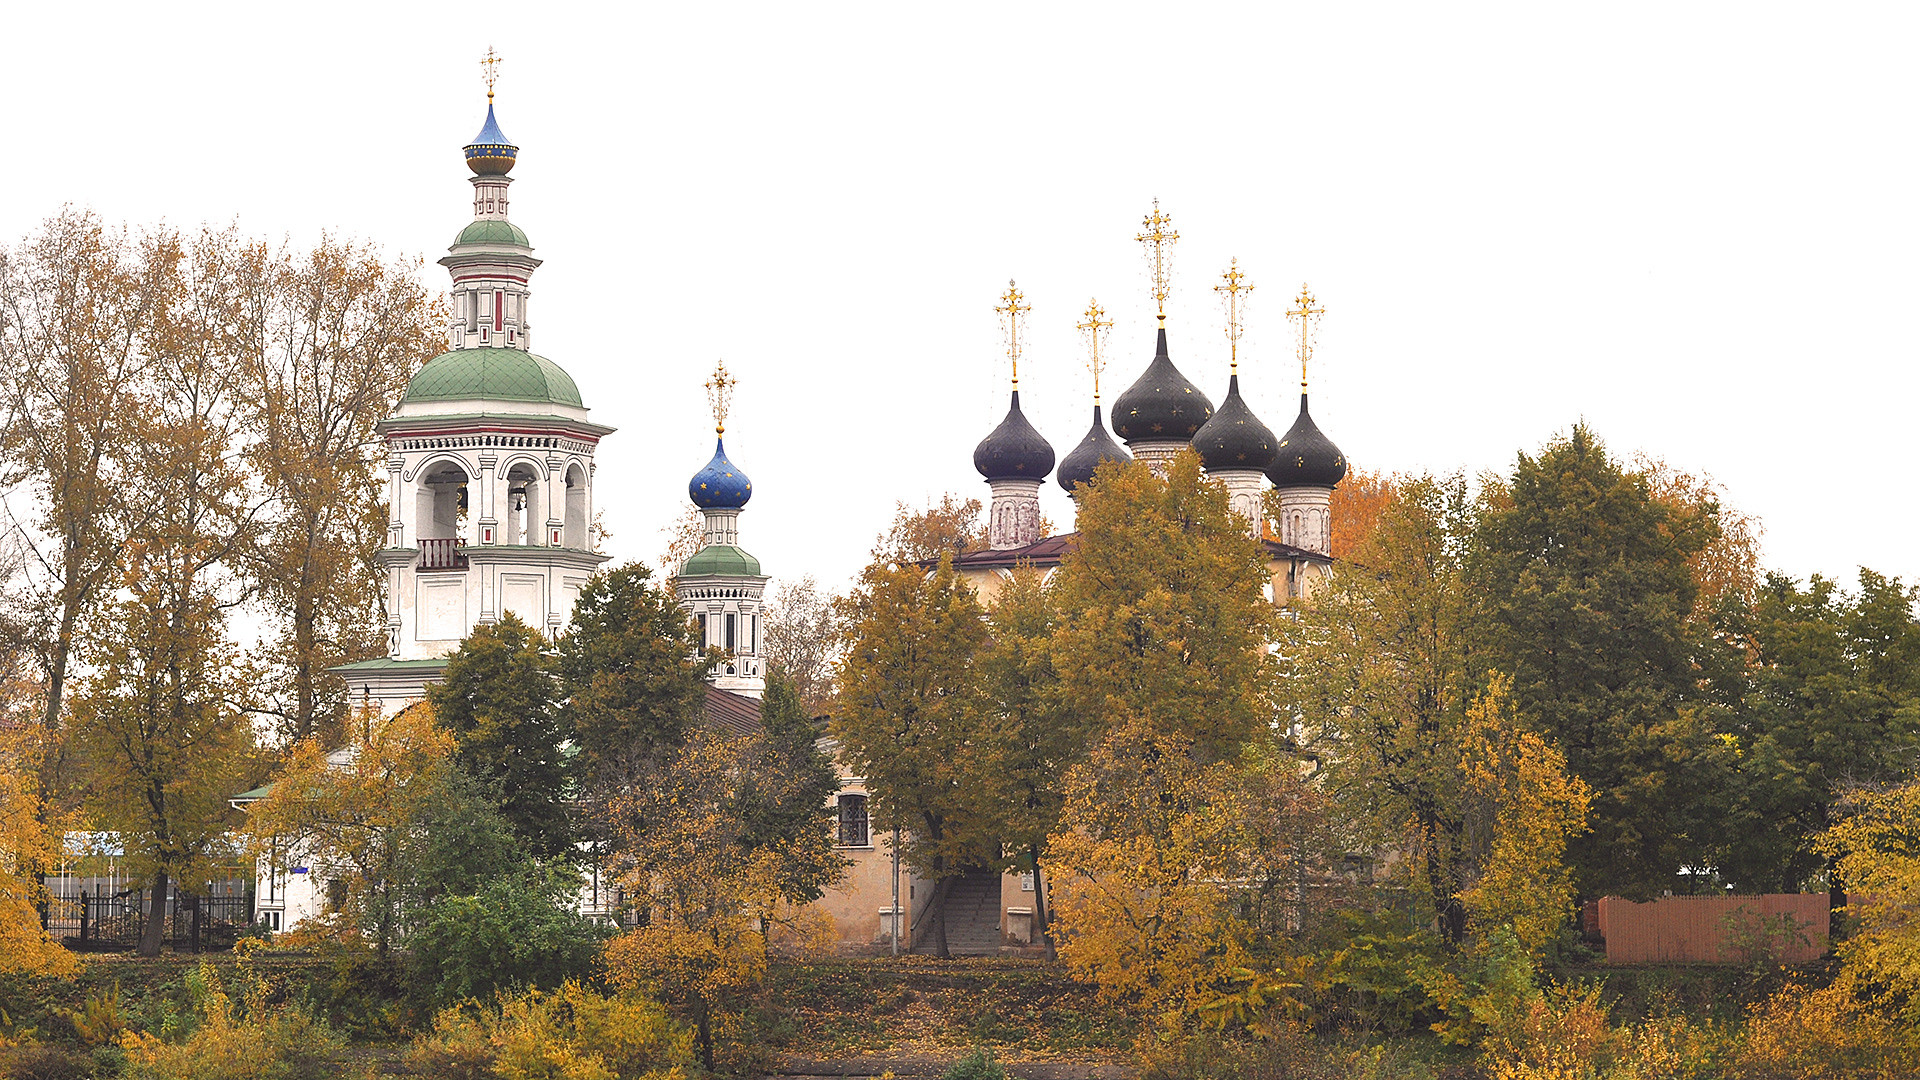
490 474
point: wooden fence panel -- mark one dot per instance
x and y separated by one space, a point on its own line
1695 929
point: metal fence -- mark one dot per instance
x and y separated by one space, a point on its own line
111 922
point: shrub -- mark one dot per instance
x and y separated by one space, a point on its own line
570 1033
1829 1033
225 1039
979 1064
100 1019
41 1062
518 931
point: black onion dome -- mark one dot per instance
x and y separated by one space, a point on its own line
1077 467
1307 458
1161 405
1234 438
1014 450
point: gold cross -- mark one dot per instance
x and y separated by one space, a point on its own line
1309 316
1094 328
720 395
1012 306
490 70
1233 288
1159 238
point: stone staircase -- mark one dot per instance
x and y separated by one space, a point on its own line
973 917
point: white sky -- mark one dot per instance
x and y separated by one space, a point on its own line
1694 226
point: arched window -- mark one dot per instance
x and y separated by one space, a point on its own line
853 821
576 519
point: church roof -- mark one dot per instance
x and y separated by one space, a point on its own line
1234 438
1014 450
720 484
1098 446
1048 552
493 231
491 153
492 374
736 714
721 560
1306 458
1161 405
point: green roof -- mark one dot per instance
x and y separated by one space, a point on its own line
492 231
255 795
721 560
490 374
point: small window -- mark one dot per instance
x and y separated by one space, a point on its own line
730 623
703 631
853 821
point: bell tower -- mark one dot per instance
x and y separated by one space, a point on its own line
721 585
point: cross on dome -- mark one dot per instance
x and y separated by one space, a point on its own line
1095 329
1232 290
1158 240
1309 317
1013 305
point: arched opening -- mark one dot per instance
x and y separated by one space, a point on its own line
440 502
577 508
526 505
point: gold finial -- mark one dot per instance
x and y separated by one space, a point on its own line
1012 307
1232 290
490 71
1158 238
1309 317
720 395
1094 329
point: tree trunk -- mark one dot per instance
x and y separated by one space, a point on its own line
703 1025
1042 914
155 930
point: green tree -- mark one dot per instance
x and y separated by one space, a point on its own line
1585 593
1827 703
516 930
783 796
1381 673
911 717
631 671
1031 738
1163 611
497 700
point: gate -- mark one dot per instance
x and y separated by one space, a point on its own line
113 922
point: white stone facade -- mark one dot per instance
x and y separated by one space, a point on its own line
1013 519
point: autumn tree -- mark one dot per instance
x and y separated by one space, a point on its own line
691 832
1355 508
1031 739
1584 588
1382 670
26 844
77 301
355 811
497 701
1163 614
783 797
327 339
1874 851
802 640
948 526
165 724
911 718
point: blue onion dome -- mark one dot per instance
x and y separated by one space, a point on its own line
1307 458
1234 438
721 485
490 154
1014 451
1161 405
1077 467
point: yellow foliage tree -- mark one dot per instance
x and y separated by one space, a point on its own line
354 816
26 843
1523 807
1139 889
1877 853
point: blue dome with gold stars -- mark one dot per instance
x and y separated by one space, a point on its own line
721 485
490 153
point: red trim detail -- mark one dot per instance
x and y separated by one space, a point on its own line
490 277
499 308
434 433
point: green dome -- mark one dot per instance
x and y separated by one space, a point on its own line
492 375
721 560
492 231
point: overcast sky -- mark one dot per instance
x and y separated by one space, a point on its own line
1693 226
